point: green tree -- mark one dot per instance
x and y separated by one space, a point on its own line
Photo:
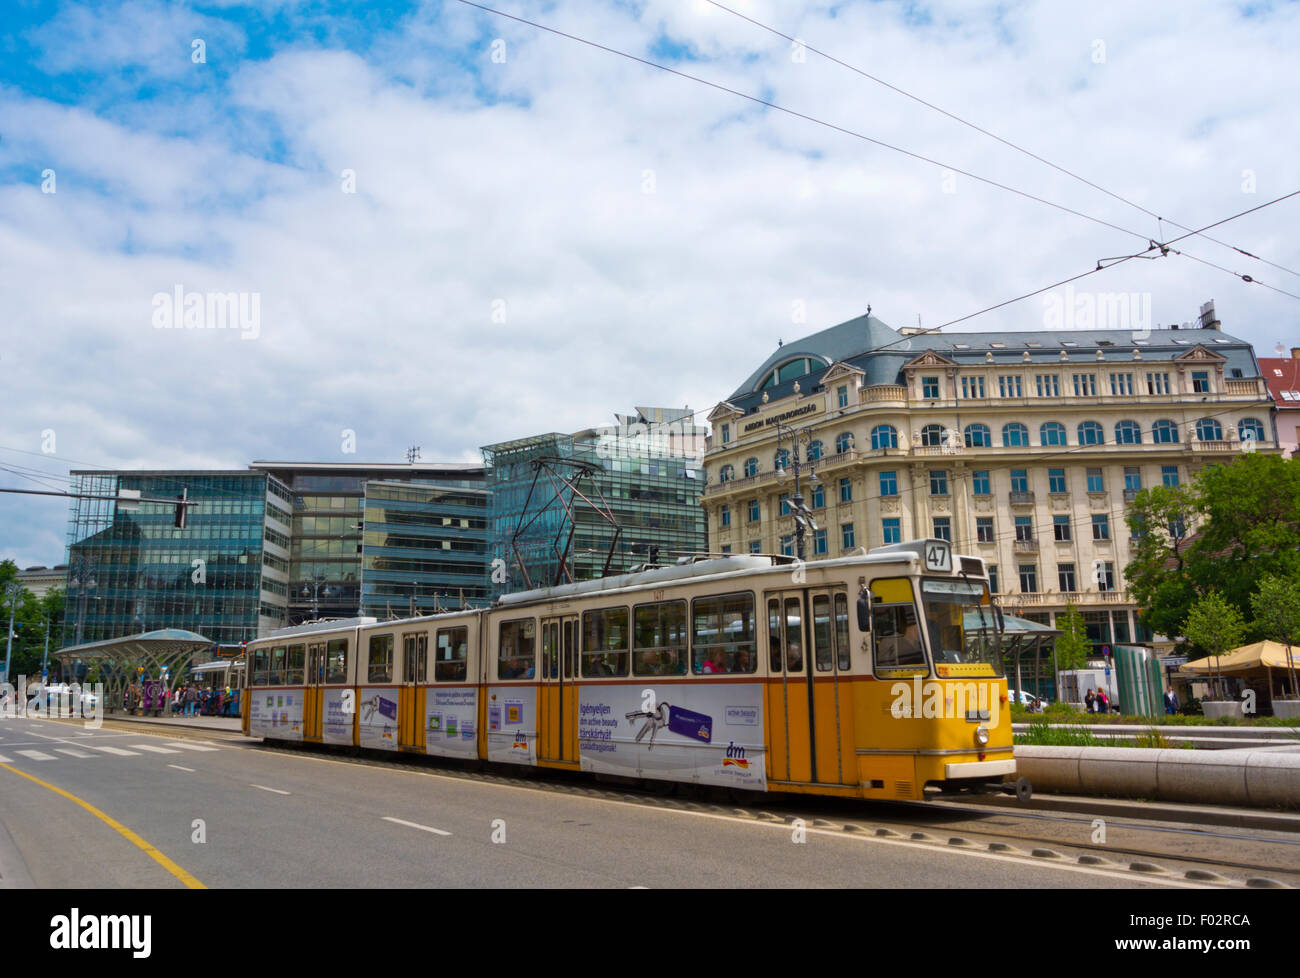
1277 614
1157 575
1243 522
1072 645
1214 627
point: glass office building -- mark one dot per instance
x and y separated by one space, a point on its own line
335 541
131 570
645 470
423 549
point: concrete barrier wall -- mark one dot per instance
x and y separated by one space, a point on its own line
1261 779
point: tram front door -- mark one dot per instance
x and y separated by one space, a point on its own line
809 706
557 694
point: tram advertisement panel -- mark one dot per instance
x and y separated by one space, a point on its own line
512 724
711 733
339 706
451 722
275 713
378 709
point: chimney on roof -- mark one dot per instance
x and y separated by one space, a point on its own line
1295 352
1208 318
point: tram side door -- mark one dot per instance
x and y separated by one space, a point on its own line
312 706
807 715
410 714
557 694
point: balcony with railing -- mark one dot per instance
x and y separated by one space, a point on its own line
1022 498
1026 546
883 393
1011 602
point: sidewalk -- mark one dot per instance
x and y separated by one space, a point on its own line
226 724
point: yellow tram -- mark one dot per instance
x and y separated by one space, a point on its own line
866 676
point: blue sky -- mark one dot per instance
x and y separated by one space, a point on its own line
535 234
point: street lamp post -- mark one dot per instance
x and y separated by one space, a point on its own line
803 518
12 591
315 591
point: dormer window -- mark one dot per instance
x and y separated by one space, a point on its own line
789 370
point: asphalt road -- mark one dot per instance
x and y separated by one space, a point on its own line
225 813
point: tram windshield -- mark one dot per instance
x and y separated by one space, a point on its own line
961 622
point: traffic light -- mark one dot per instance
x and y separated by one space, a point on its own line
181 507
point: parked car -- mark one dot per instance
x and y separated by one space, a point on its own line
1032 703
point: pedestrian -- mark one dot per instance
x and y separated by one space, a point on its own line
1103 702
1090 702
1171 701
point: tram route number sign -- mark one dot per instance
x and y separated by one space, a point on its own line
938 557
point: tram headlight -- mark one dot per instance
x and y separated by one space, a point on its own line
982 735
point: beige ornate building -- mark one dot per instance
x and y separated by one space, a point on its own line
1023 448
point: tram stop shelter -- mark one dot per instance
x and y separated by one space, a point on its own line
1269 668
165 652
1026 646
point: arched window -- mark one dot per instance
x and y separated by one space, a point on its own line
751 466
1207 429
1250 428
883 436
1052 433
978 436
843 441
932 435
1164 433
1128 433
726 474
1091 433
782 459
1015 435
814 451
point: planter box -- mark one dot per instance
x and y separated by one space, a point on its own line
1287 708
1217 709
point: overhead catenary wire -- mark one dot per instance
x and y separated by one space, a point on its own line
992 135
829 125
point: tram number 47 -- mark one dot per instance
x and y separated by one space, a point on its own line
937 557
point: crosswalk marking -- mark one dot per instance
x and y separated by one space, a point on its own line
177 743
72 752
36 755
114 750
154 750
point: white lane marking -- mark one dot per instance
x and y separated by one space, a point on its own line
72 752
154 750
114 750
177 743
5 760
265 788
179 768
415 825
36 755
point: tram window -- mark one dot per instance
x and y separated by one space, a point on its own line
414 664
896 636
277 665
660 648
295 661
842 630
793 635
336 661
723 639
517 649
260 673
604 642
823 639
453 655
550 649
381 659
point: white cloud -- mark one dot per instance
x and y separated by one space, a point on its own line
377 306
